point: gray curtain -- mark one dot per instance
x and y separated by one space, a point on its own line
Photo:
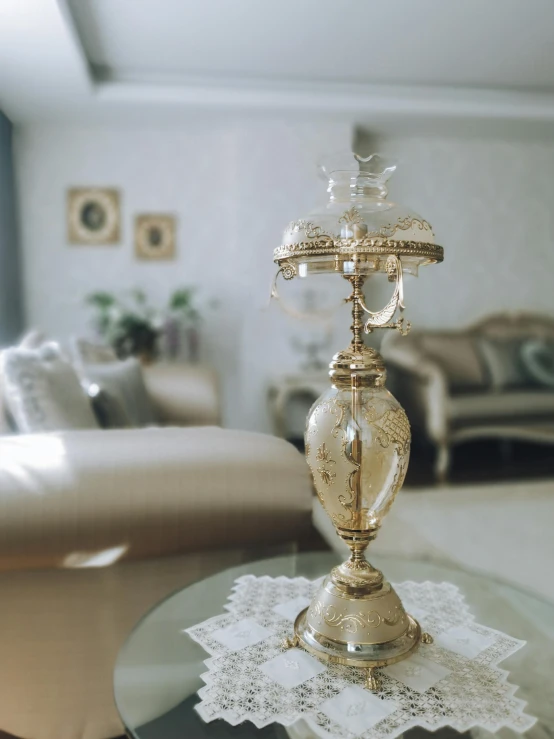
11 311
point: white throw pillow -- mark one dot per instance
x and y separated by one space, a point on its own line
122 384
43 392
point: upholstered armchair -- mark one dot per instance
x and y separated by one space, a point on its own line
494 379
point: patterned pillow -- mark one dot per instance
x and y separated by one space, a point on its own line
538 358
43 392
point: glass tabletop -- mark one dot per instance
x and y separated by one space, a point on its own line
158 669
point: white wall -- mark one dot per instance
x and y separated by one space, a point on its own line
491 203
234 188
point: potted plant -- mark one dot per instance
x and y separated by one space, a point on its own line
134 328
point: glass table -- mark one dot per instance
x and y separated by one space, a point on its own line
158 668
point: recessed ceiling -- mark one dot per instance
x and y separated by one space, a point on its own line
491 44
410 64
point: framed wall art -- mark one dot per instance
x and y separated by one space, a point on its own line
93 215
155 236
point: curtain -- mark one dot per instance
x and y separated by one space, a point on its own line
11 313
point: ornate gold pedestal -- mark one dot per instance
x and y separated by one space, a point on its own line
357 619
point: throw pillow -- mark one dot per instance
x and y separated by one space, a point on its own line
122 383
502 358
457 357
33 339
108 409
538 359
43 392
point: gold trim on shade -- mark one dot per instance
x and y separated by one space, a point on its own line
165 226
378 246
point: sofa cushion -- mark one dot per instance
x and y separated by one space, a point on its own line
458 358
490 406
153 491
121 383
504 363
42 391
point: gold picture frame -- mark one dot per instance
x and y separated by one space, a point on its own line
155 236
93 215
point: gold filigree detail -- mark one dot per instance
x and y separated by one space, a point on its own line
351 216
395 429
405 224
336 428
367 245
326 474
391 267
324 455
318 492
348 502
369 412
311 230
288 270
352 622
395 485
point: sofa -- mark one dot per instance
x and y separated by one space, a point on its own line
494 379
97 525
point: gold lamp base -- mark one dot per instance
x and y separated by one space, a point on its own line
357 619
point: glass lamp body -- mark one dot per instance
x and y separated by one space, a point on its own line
381 426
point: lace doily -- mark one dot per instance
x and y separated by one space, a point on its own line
453 682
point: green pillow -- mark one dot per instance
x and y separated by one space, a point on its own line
538 358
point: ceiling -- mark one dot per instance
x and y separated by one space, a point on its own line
423 42
401 61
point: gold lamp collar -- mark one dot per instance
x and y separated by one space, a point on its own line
363 362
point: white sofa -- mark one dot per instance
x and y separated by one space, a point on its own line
161 506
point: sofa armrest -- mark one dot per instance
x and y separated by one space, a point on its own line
67 496
422 388
183 394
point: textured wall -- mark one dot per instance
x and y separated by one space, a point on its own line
235 187
491 203
10 290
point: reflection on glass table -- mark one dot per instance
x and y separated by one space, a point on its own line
158 669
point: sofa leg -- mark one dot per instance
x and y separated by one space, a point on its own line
442 462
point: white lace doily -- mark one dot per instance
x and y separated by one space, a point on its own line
453 682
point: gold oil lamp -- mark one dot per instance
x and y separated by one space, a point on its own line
358 435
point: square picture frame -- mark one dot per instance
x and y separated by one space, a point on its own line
93 215
155 236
